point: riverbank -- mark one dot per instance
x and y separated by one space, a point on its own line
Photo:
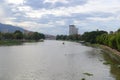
15 42
111 52
10 42
108 50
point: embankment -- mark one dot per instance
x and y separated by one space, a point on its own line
111 52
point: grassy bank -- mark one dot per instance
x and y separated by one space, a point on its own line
90 45
114 54
16 42
10 42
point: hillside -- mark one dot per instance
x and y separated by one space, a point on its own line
9 28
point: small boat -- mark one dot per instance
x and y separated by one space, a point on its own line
63 43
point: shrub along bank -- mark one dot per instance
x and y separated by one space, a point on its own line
18 37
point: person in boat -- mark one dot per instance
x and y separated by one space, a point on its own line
63 43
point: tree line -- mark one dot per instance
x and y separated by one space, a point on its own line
111 39
70 37
92 36
18 35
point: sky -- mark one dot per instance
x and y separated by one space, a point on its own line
55 16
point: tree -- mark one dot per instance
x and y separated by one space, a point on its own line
36 36
112 42
118 40
8 36
18 34
42 36
103 39
61 37
0 35
92 36
118 30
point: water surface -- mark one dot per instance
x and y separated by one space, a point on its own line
51 60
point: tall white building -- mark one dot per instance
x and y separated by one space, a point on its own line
73 30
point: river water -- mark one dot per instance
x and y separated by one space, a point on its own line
51 60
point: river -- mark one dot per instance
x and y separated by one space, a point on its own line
51 60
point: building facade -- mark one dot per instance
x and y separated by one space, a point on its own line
73 30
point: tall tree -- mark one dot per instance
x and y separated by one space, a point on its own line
18 34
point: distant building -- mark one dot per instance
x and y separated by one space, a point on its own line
73 30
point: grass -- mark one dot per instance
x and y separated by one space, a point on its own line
106 63
115 55
91 45
111 52
16 42
10 42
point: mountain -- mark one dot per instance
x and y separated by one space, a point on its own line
9 28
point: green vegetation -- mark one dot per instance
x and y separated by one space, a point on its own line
92 36
111 40
110 44
18 37
114 62
10 42
83 79
70 37
88 74
106 63
102 37
34 36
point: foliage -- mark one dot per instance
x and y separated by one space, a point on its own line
70 37
34 36
10 42
18 35
92 36
111 40
102 37
88 74
8 36
0 35
118 40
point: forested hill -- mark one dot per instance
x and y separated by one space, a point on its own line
9 28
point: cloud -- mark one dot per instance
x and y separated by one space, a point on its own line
58 14
50 4
62 11
55 1
1 11
98 7
31 13
101 19
16 2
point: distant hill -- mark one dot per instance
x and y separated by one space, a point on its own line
9 28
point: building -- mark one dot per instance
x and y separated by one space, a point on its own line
73 30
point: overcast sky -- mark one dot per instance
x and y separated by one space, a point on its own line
54 16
